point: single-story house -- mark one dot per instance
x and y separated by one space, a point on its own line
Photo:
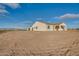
43 26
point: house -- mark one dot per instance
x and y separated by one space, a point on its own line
42 26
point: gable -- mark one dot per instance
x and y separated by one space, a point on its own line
63 24
39 24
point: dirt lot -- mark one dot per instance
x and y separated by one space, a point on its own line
24 43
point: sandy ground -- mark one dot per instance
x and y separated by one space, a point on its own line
25 43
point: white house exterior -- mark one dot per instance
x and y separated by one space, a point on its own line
42 26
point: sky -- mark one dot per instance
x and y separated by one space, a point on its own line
23 15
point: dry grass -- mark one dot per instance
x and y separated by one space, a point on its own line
24 43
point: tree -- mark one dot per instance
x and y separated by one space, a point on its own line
57 27
62 27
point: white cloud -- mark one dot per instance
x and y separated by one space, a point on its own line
66 16
13 5
39 18
2 7
3 11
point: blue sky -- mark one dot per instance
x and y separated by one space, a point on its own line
22 15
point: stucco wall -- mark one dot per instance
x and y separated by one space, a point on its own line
39 26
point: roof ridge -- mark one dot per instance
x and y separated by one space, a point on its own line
50 23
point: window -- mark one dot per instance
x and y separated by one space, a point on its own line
32 29
62 27
28 29
36 27
48 27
